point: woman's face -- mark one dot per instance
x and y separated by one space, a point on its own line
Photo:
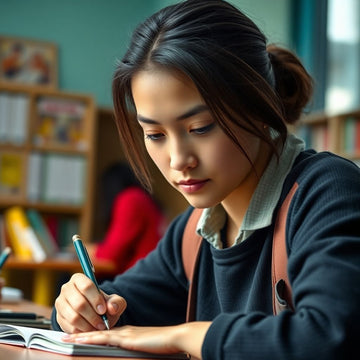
186 143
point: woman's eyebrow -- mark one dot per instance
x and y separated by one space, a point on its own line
145 120
193 111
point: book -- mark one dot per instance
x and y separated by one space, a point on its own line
4 116
22 237
66 228
349 135
17 122
60 122
3 235
20 247
357 136
26 319
34 176
50 340
47 240
11 173
64 179
11 295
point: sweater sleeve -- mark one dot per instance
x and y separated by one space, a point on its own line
324 271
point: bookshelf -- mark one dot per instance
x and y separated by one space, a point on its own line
99 147
30 151
47 153
338 133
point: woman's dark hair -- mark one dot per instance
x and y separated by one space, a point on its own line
243 81
115 179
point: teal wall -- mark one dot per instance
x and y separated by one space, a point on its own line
92 34
272 17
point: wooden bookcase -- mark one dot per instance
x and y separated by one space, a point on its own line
338 133
47 148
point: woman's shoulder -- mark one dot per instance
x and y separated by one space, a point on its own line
322 173
323 165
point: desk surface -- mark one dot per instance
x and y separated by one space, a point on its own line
11 352
28 306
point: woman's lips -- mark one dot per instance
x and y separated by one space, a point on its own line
191 186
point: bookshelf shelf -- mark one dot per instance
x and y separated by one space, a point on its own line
46 274
44 208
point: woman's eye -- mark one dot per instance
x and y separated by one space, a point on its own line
153 137
204 129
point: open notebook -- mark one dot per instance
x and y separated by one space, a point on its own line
50 340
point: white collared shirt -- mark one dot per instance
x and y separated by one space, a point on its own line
263 202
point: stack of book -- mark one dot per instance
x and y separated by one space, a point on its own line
28 234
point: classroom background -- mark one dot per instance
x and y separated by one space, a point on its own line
57 132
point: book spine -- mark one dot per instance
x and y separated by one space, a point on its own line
34 178
11 173
349 135
42 232
19 245
357 137
19 111
4 116
3 235
23 238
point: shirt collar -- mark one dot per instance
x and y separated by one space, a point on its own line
263 201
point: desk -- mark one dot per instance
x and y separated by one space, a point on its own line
10 352
46 272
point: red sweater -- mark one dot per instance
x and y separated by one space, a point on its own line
135 228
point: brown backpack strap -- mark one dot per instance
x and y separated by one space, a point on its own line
190 253
281 288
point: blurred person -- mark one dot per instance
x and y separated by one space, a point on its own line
134 221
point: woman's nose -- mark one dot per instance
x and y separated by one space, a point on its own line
182 156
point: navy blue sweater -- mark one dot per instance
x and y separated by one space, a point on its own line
234 284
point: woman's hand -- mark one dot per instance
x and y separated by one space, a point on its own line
187 338
80 305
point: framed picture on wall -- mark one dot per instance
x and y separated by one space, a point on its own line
28 62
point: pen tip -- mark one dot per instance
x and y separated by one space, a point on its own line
107 324
75 237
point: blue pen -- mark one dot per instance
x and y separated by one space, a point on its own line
88 267
4 256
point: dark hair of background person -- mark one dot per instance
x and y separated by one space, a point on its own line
115 179
243 81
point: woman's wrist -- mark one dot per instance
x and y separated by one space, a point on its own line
189 337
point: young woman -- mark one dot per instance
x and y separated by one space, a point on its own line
212 101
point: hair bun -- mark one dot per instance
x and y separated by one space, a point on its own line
294 85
